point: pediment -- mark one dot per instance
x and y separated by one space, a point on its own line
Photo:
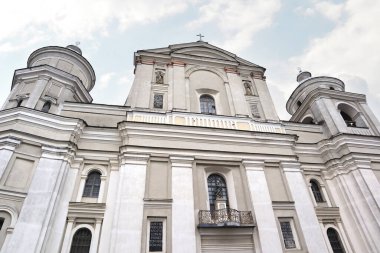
205 52
200 49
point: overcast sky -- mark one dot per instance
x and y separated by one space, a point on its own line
336 38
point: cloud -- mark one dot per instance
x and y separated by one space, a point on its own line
237 20
330 10
76 20
104 80
350 51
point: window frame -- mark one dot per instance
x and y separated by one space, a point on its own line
75 233
315 192
149 221
293 230
207 103
340 239
91 194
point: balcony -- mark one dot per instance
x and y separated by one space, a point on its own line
227 217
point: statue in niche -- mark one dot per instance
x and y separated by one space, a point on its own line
248 89
160 77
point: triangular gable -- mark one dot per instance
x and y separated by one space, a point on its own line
200 49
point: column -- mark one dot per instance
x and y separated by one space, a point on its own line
102 187
40 204
230 100
96 236
262 204
304 207
128 218
106 233
183 216
35 95
68 235
7 147
81 187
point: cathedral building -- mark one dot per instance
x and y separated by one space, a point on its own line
195 161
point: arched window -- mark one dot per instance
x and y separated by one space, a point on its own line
316 191
81 241
92 185
335 242
308 120
46 106
217 192
207 104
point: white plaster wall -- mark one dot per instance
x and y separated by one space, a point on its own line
266 100
141 86
179 88
56 233
183 224
237 94
305 209
266 222
128 218
36 213
5 156
104 245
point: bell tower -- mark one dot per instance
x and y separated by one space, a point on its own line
323 100
53 75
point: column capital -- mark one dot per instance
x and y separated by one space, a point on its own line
59 153
253 165
291 166
134 158
9 143
182 161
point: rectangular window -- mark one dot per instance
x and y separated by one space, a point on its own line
287 234
158 101
156 236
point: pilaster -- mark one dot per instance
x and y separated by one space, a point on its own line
262 204
304 207
41 202
7 147
183 205
128 218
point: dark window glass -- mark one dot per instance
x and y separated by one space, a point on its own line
92 186
1 223
207 104
335 242
19 102
216 189
316 191
81 241
158 101
46 107
287 234
155 236
349 121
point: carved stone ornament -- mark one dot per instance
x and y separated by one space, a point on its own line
248 88
159 77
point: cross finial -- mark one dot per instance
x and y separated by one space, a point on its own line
299 70
77 43
200 37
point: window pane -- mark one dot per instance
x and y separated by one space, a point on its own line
316 191
158 101
81 241
92 185
287 234
216 188
1 223
207 104
334 241
155 237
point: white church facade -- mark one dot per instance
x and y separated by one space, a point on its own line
196 160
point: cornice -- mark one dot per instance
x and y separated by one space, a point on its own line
48 72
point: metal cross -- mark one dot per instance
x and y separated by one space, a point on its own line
200 37
77 43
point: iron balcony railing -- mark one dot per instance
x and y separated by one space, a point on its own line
226 217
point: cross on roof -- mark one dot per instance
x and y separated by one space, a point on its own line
200 37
